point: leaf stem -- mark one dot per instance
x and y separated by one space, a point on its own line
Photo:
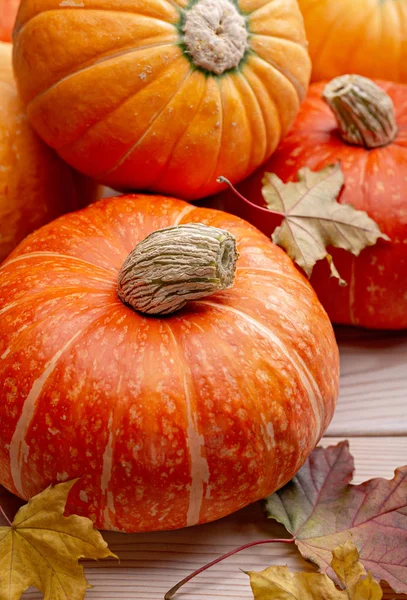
5 516
222 179
171 593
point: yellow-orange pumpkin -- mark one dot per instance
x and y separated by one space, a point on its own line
35 184
163 95
367 37
167 421
8 11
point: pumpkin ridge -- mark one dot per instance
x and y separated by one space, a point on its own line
238 93
288 76
279 273
90 66
256 100
167 163
185 211
86 9
66 292
328 30
58 255
19 451
306 378
220 136
279 37
399 36
271 98
129 151
254 12
118 107
193 438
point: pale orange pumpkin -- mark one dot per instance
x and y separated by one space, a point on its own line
8 12
163 95
367 37
35 184
167 421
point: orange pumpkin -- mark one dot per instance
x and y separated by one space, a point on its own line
8 12
167 421
370 141
367 37
162 95
35 184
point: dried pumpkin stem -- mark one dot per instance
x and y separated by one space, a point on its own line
215 35
365 113
175 265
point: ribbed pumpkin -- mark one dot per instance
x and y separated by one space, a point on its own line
367 37
8 11
162 95
167 421
369 138
35 184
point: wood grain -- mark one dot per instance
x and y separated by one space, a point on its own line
373 396
150 564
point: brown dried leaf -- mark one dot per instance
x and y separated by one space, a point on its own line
315 220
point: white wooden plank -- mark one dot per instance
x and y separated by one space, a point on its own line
373 395
152 563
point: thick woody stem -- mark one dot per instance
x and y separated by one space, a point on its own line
215 35
365 113
175 265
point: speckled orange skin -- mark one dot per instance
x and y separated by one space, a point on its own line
35 184
357 36
8 12
375 181
110 88
170 421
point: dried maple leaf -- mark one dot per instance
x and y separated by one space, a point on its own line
315 220
322 510
42 548
279 583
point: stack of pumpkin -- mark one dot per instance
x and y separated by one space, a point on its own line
206 405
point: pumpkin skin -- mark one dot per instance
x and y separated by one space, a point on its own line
110 87
167 421
375 181
364 36
35 184
8 12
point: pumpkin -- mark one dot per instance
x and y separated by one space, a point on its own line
364 126
8 11
168 420
357 36
35 184
162 95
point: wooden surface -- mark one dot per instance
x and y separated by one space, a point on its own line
372 414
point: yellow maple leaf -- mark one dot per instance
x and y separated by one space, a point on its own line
42 548
279 584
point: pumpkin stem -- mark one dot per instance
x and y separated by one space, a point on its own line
365 113
175 265
215 35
